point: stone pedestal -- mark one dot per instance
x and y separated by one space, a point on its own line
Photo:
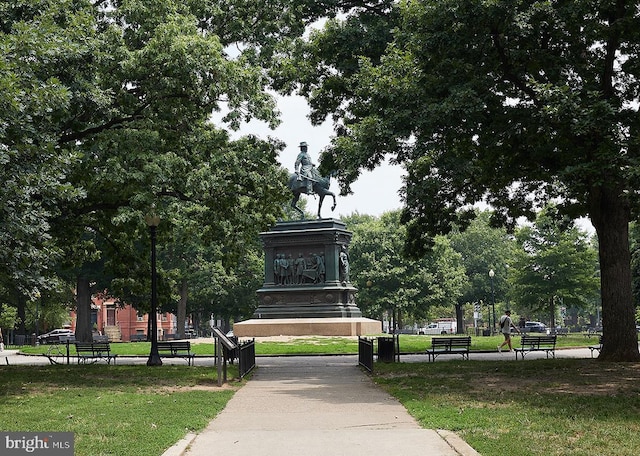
306 283
307 327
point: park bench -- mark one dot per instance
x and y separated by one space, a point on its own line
593 332
597 347
138 337
57 353
94 351
537 343
176 349
449 345
100 338
559 331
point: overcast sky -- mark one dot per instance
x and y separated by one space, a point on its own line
374 192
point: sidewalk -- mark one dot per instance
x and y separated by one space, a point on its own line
316 406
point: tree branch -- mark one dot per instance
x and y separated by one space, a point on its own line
507 68
176 194
77 135
611 46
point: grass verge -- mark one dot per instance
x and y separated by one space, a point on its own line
538 407
112 410
309 345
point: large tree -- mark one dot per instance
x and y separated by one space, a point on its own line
105 113
33 171
388 281
484 248
510 102
556 264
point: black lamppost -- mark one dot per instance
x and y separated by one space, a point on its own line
38 301
493 301
154 357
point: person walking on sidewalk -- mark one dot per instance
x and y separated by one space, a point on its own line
505 328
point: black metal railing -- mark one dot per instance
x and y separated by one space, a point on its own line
230 355
19 340
365 353
246 357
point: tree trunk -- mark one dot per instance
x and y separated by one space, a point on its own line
22 313
459 319
182 308
552 312
84 330
609 213
197 323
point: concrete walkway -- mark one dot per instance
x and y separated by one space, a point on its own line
316 406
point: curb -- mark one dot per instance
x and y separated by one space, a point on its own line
181 445
459 446
453 440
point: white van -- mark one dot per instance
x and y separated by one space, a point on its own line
444 326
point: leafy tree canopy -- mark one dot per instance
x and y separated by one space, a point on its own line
105 110
387 280
556 262
484 248
514 103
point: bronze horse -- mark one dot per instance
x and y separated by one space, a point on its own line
320 188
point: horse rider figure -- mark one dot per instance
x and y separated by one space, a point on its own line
304 167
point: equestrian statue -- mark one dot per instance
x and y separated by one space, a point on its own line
307 180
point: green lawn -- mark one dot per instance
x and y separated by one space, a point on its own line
326 345
539 407
112 410
408 344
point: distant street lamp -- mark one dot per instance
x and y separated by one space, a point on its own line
493 301
154 357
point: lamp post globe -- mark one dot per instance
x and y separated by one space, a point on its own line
153 221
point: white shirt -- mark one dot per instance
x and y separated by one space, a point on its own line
505 324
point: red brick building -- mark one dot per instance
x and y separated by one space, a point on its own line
120 323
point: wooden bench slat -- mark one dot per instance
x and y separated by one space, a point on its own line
537 343
449 345
94 351
176 349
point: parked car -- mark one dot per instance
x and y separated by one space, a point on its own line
54 336
594 329
535 327
440 327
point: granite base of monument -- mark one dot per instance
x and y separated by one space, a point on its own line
267 327
306 289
